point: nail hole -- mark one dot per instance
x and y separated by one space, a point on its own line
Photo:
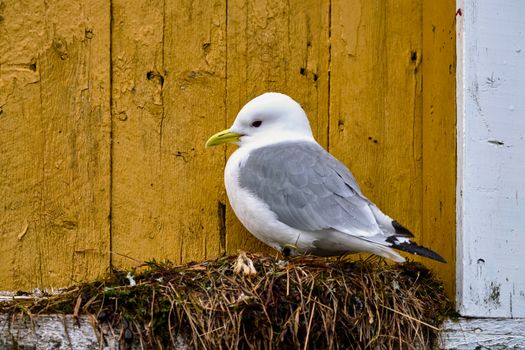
89 33
303 71
413 56
151 75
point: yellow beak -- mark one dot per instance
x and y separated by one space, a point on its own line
225 136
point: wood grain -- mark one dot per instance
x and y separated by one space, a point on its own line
483 333
276 46
382 125
54 140
169 67
439 137
491 159
376 79
375 102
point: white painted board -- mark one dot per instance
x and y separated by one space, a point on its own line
491 158
58 332
483 333
64 332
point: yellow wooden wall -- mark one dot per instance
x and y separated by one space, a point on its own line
106 105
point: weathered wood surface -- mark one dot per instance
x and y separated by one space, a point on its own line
276 46
64 332
398 137
54 142
484 333
439 137
169 93
368 73
491 148
52 332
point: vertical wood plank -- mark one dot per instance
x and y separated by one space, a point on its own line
439 136
380 123
54 140
491 152
195 104
137 59
169 86
276 46
375 102
181 70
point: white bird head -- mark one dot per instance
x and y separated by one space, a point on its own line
269 118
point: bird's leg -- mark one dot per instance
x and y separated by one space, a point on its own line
287 250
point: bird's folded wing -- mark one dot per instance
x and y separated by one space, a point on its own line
308 189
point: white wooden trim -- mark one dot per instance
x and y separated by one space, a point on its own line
52 331
64 332
491 158
460 149
483 333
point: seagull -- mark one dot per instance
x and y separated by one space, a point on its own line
294 196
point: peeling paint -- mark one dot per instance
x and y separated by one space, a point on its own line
491 160
24 231
494 293
481 263
492 81
112 107
496 142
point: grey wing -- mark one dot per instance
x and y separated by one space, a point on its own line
308 189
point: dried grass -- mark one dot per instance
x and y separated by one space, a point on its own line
305 303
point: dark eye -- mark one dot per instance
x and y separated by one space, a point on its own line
256 123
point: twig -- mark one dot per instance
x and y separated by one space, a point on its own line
410 317
309 327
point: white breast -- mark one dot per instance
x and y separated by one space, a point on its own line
254 214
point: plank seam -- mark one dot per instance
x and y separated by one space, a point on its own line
111 141
223 230
329 74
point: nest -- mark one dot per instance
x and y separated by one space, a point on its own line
260 302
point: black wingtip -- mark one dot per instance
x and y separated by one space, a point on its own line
413 248
401 230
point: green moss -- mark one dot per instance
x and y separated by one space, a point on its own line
327 304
